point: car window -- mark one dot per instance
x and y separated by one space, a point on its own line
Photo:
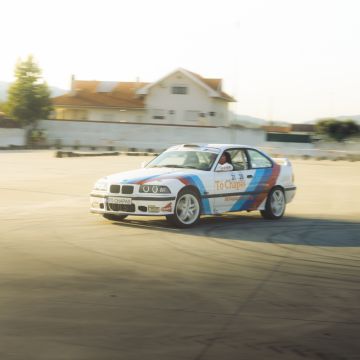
258 160
238 159
200 160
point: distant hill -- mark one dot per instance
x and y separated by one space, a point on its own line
246 120
254 122
356 118
4 86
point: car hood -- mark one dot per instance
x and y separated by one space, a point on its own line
145 175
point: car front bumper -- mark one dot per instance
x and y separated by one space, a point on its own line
132 205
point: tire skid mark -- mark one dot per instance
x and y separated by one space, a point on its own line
318 264
287 246
156 265
240 309
301 237
271 255
314 262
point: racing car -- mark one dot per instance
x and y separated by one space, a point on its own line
190 180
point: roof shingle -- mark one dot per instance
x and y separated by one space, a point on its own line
85 93
121 95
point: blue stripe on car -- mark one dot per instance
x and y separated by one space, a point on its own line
241 203
194 180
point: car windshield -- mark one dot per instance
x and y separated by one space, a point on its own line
200 160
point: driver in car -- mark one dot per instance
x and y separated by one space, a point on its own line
225 163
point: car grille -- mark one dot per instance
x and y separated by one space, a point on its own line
115 189
127 189
121 207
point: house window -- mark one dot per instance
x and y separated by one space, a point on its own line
158 114
171 112
179 90
212 113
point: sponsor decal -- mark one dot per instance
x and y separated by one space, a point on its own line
231 198
230 184
239 176
153 209
167 208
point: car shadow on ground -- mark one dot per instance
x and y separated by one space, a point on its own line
293 230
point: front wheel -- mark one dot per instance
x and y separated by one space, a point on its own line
187 209
275 205
114 217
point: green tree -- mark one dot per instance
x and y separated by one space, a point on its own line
29 96
337 130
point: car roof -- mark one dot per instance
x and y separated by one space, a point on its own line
202 146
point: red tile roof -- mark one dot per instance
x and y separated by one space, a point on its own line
215 84
88 93
118 94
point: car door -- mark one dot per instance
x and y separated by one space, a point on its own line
265 176
231 187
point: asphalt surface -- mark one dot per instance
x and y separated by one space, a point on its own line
75 286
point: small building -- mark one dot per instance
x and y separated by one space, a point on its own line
303 128
281 129
180 98
295 133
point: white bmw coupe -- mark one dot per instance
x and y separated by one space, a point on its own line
189 180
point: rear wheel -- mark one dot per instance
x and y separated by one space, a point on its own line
187 209
114 217
275 204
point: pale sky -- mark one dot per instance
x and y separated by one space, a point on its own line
287 60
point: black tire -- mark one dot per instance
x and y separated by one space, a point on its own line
275 204
187 209
114 217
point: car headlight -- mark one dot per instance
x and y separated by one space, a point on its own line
101 185
154 189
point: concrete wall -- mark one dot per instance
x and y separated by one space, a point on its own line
142 136
98 114
16 137
116 115
316 150
123 136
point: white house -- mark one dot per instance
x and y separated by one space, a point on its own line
181 97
